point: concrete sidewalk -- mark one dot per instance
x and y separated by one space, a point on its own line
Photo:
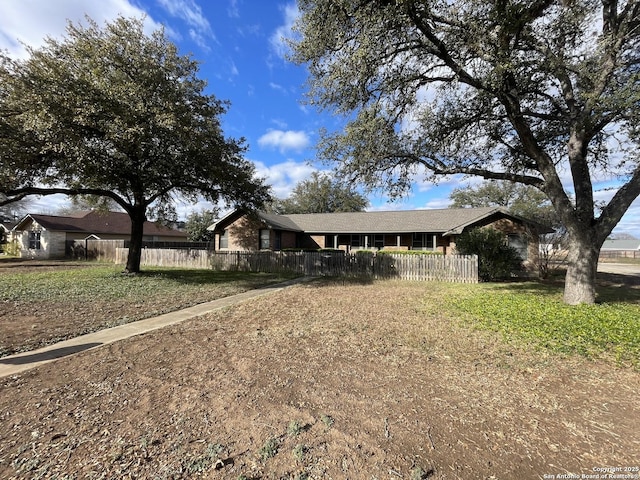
21 362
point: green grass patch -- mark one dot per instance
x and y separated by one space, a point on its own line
106 282
534 314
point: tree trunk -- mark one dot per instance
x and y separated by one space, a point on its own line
580 282
138 217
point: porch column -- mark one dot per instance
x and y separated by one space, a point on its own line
398 241
335 242
435 242
366 242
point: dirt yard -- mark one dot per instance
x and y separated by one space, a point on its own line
30 323
320 381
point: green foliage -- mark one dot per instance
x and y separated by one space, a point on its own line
299 451
496 259
269 449
321 194
113 112
538 317
205 461
525 92
294 428
417 473
523 200
327 420
11 249
197 224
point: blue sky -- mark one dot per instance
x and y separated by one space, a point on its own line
239 44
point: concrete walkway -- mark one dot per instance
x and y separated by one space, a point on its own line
21 362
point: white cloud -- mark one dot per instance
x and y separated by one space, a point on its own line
284 176
285 31
191 13
232 10
279 123
29 21
278 87
285 140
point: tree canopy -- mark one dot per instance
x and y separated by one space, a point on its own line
529 92
114 112
321 194
519 199
197 224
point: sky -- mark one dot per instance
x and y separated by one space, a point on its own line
239 44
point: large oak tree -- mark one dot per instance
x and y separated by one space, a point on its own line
117 113
320 194
543 92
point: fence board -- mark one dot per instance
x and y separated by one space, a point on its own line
446 268
609 254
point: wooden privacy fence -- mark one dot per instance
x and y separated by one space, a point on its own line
169 257
105 250
92 249
609 254
448 268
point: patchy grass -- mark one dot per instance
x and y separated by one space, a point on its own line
382 380
534 314
102 282
48 303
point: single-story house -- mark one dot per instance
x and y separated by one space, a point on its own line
46 236
434 230
618 245
620 248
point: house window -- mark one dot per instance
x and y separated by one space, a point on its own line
378 241
422 241
224 239
34 240
357 241
265 237
330 241
520 244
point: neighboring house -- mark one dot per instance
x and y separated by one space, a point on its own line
46 236
6 235
434 230
617 245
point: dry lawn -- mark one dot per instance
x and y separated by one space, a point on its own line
319 381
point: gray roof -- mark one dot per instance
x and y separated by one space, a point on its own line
406 221
633 244
280 222
447 221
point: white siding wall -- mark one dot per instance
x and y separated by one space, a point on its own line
52 244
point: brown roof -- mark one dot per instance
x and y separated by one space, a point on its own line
96 222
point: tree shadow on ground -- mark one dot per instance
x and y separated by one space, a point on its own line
212 277
611 287
343 281
48 354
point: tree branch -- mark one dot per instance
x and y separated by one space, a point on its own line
20 193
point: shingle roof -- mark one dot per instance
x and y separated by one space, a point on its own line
281 222
446 220
98 222
621 245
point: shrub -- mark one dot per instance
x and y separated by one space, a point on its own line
496 259
11 249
